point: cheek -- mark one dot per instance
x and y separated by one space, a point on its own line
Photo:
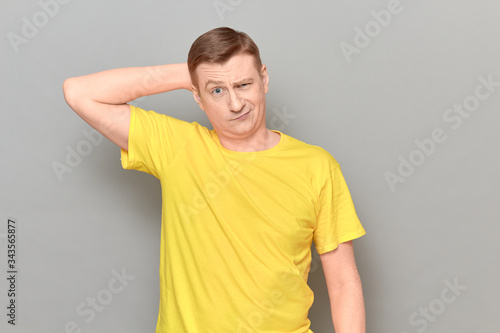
213 110
208 105
258 97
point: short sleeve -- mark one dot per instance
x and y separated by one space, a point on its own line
154 141
337 221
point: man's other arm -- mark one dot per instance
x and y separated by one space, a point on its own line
344 289
101 98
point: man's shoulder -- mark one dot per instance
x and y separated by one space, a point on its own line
315 154
158 117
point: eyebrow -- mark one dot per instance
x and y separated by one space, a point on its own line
218 83
213 82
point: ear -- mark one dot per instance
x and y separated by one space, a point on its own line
265 78
197 98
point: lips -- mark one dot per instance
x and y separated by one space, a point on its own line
242 116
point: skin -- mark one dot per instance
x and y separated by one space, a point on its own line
345 290
230 90
101 100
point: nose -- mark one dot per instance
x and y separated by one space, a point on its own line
236 103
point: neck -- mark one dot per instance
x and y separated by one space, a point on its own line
260 140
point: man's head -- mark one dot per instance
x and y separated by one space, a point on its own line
229 81
217 46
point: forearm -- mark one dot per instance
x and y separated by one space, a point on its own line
348 308
122 85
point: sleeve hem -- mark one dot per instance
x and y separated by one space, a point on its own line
332 246
126 155
124 158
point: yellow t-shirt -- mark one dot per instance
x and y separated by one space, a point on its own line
237 227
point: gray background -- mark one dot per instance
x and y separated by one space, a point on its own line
366 109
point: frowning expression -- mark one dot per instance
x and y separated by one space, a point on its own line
233 95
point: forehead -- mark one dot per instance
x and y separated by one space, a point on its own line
238 67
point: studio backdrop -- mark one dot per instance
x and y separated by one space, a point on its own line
404 94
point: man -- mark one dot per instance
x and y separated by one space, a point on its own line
241 204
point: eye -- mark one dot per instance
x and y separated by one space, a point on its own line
217 91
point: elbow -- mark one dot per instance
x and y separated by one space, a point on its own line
69 90
67 84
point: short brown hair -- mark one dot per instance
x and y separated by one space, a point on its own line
217 46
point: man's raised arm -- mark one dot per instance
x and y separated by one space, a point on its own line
100 98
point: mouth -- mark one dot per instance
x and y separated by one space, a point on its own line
243 116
